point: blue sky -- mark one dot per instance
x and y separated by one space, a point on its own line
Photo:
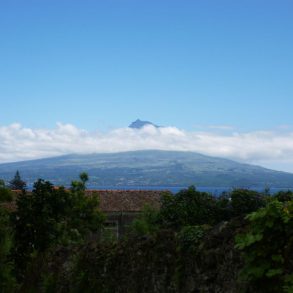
99 65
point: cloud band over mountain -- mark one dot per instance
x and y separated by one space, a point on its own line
273 149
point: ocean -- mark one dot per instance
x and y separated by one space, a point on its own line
216 191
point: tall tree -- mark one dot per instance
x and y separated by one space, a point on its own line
50 216
17 183
79 185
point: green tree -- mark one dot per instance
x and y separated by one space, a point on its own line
284 195
245 201
17 183
49 216
80 185
188 207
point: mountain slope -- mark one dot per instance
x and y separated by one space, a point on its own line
155 168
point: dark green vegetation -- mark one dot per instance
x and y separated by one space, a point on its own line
45 219
17 183
239 242
148 168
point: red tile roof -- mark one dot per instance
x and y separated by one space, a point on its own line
127 200
119 200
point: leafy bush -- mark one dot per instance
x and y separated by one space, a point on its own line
190 236
267 247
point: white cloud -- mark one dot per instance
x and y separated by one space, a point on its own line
268 148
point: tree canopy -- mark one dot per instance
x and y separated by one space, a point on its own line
17 183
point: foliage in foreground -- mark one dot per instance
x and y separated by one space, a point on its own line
267 247
7 279
48 217
195 242
5 193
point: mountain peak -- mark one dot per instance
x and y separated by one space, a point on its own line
138 124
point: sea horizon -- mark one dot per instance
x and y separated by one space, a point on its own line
215 191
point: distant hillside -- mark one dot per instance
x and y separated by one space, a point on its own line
148 168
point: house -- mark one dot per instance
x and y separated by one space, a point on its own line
121 207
